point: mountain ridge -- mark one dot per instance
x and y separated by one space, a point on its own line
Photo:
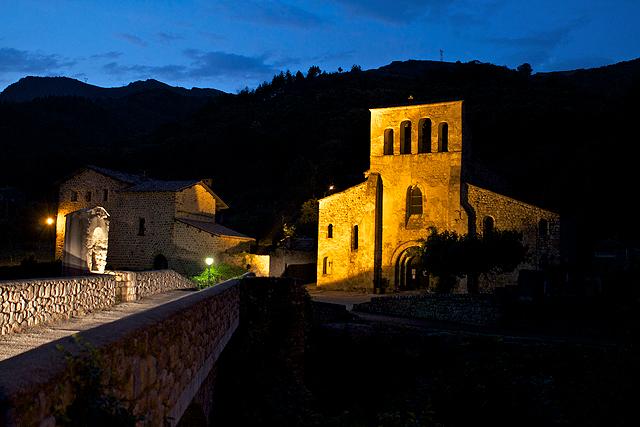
33 87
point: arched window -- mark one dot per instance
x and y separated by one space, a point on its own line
330 231
543 228
388 141
424 136
74 196
443 137
414 201
405 137
87 196
326 265
488 226
354 238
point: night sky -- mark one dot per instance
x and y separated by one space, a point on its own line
232 44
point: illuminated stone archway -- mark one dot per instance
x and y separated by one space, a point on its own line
408 271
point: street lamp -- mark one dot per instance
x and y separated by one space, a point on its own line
49 221
209 262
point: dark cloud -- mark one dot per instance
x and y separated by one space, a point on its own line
14 60
395 12
210 64
173 72
271 12
106 55
535 48
203 65
168 37
131 38
215 37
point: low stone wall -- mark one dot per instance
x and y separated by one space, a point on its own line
149 283
32 302
467 309
155 361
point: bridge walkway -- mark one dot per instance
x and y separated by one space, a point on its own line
14 344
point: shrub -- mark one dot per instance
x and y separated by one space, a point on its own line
217 273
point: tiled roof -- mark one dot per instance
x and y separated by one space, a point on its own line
120 176
141 184
213 228
168 186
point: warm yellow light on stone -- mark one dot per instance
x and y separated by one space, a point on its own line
49 221
208 261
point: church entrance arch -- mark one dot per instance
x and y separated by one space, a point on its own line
409 272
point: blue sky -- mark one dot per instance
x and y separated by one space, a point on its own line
232 44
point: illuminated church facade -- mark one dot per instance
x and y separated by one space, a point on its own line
415 182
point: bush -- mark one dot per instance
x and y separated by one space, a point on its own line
217 273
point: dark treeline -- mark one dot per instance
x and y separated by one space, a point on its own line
566 141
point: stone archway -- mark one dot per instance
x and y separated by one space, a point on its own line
409 271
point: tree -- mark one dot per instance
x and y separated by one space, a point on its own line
307 223
314 71
525 69
448 255
355 68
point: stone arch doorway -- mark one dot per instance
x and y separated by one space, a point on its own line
160 262
409 272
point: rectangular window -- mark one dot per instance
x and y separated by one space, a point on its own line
354 243
74 196
105 195
141 226
87 197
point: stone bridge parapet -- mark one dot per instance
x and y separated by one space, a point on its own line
156 361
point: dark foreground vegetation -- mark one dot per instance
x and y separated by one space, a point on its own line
378 374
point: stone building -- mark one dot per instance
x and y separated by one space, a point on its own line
416 181
153 224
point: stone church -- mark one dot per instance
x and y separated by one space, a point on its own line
153 223
416 181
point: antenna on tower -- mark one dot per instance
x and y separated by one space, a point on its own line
441 55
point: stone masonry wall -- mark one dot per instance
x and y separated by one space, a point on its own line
25 303
436 174
346 267
155 361
510 214
34 302
157 281
467 309
85 183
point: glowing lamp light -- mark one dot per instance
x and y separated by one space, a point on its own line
49 221
332 187
208 260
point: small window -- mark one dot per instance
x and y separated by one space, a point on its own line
388 141
414 201
105 195
488 226
141 227
327 265
354 243
424 136
405 137
87 196
74 196
543 228
443 137
330 231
